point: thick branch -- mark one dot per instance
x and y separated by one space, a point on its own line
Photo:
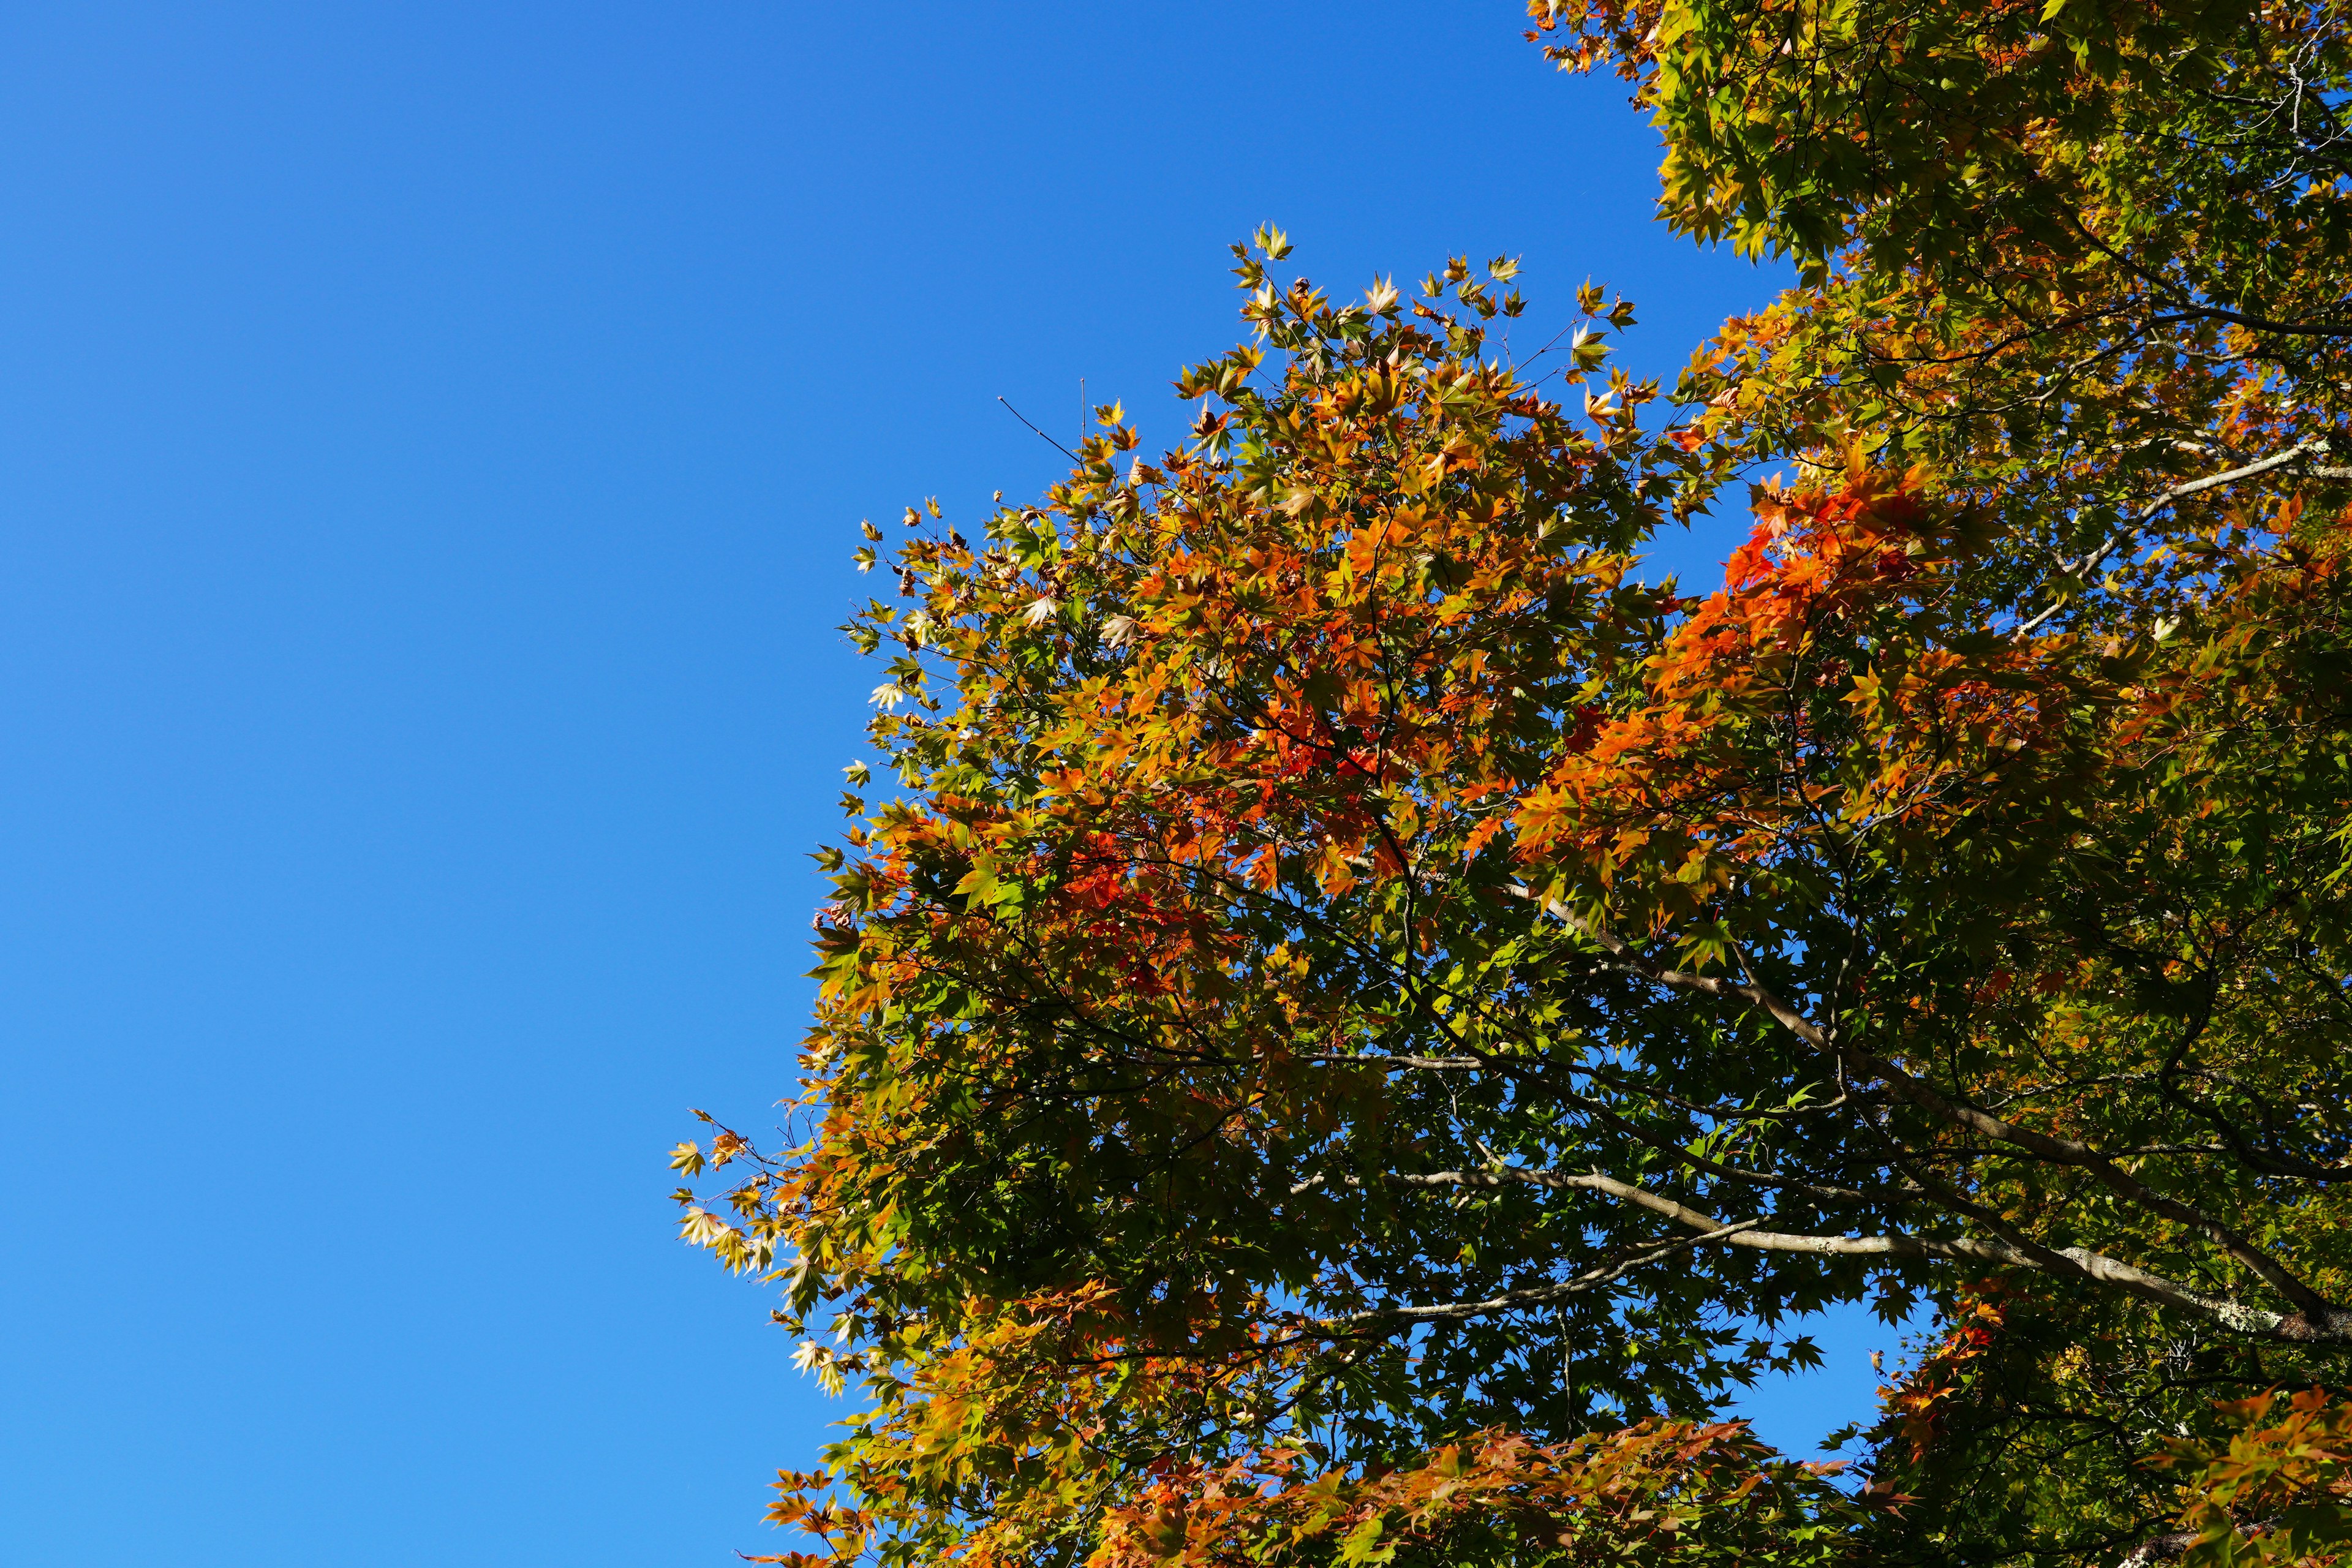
2164 1548
2077 1262
2141 519
2058 1151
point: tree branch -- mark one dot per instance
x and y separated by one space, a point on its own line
2310 1304
2329 1326
2146 514
1536 1295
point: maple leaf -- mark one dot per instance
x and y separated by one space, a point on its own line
1317 1085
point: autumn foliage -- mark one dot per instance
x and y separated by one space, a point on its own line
1365 1017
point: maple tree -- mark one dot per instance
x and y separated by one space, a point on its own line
1365 1020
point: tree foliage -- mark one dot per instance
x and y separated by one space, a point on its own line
1365 1021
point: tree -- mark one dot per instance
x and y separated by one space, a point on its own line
1367 1020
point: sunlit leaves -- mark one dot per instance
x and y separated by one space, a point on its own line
1362 1020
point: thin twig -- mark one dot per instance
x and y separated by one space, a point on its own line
1041 435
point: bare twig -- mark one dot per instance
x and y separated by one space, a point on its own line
1041 435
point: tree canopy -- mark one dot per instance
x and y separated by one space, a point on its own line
1364 1021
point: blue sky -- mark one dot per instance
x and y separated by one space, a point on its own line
432 442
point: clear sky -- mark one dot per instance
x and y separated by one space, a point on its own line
432 442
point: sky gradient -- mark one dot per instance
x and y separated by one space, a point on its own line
432 442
